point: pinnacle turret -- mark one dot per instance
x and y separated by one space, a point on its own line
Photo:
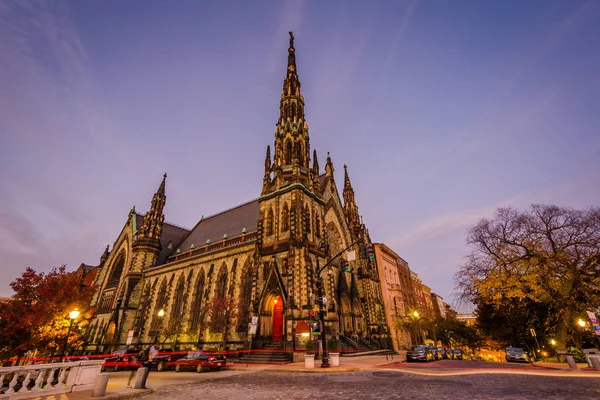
350 208
292 145
152 226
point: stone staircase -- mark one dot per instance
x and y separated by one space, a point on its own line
271 353
361 346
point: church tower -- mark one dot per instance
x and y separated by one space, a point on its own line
291 212
145 249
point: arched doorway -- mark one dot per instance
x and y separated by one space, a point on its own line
277 319
272 325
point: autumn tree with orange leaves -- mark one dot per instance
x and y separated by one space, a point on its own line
37 315
538 269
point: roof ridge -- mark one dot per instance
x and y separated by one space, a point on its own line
167 223
229 209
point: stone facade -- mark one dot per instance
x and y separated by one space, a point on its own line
259 258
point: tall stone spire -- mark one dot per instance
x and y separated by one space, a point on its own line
267 177
292 146
350 208
153 220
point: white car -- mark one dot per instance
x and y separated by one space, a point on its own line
516 354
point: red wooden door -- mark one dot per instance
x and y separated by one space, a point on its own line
278 319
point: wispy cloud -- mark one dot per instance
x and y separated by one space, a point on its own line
441 225
289 19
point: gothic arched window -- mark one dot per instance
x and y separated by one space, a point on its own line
245 298
317 226
288 153
285 218
177 308
117 270
160 304
221 282
270 222
196 312
140 318
306 218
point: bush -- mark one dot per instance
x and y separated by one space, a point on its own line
577 355
308 346
332 345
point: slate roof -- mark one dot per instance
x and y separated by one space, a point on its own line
170 233
323 179
230 222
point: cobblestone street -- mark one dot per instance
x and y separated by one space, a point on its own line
381 384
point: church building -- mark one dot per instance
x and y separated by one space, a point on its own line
246 277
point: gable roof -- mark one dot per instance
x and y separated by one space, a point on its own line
323 180
230 222
170 233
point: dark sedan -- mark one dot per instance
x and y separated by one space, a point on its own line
458 354
419 353
161 361
199 361
122 359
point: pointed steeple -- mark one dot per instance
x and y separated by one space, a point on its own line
350 208
329 166
347 184
267 177
104 256
152 226
268 161
292 144
161 189
291 83
315 173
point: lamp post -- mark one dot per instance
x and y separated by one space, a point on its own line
160 314
72 316
322 302
324 247
417 326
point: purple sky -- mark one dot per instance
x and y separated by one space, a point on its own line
443 111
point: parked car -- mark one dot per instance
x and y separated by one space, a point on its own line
434 351
199 361
122 359
441 352
419 353
449 354
458 354
516 354
161 361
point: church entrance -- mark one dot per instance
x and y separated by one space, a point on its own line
277 319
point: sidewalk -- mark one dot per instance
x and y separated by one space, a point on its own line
111 394
347 364
565 366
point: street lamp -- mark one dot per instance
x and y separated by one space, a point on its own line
418 326
160 314
72 316
324 247
322 301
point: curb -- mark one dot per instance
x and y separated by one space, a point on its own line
129 395
316 370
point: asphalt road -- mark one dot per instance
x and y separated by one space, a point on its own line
440 381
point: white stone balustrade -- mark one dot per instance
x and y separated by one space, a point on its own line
29 381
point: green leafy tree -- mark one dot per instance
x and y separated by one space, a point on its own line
546 257
452 332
